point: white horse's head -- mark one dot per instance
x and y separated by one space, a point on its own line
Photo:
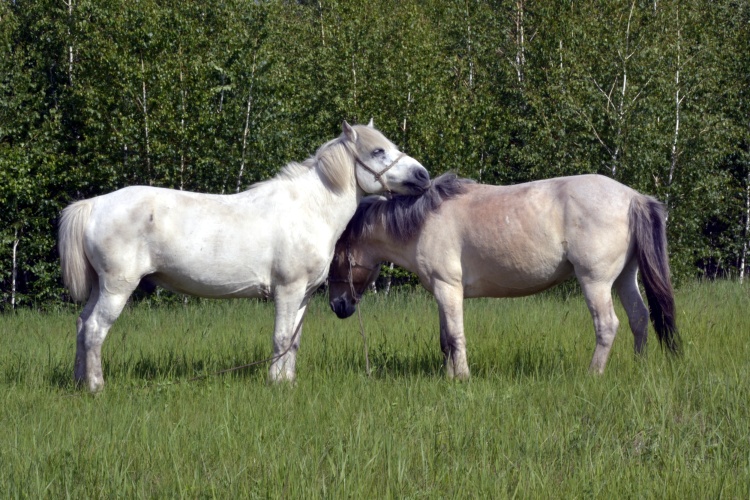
380 166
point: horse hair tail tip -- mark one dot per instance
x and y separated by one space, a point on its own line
77 272
647 219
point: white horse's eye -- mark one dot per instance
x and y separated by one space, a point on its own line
377 152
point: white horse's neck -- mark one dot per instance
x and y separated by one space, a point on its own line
326 190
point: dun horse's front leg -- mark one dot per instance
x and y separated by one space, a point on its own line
290 314
452 340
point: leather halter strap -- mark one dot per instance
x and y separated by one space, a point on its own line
356 297
379 175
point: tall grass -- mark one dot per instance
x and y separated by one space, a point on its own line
531 422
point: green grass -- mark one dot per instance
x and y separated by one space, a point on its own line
531 422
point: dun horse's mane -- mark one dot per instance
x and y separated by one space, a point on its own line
403 216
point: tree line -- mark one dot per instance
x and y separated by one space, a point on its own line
216 95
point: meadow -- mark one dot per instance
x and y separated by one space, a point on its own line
532 422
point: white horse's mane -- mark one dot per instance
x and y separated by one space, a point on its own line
333 160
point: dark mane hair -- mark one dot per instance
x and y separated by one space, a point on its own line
402 216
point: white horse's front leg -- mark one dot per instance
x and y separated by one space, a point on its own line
452 340
290 313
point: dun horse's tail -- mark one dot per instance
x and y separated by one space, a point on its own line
77 273
647 224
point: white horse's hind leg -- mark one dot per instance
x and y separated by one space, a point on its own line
93 326
290 313
452 339
599 300
630 296
79 368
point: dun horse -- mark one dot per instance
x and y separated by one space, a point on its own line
471 240
274 240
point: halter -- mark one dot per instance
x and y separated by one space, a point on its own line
350 278
379 175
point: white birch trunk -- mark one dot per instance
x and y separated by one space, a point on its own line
221 94
247 128
743 260
182 126
388 282
677 102
144 108
469 42
69 5
520 41
322 25
354 80
406 117
14 272
623 91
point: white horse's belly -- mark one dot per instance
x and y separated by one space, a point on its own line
212 288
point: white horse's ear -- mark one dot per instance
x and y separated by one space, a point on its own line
371 124
349 131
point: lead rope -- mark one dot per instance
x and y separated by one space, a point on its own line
364 341
262 361
378 177
296 333
359 315
294 337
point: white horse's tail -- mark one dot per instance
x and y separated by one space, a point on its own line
77 272
648 226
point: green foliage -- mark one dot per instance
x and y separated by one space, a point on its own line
531 422
214 96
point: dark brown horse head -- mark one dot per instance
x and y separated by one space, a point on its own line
356 260
352 271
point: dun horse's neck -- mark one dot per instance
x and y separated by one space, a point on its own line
383 248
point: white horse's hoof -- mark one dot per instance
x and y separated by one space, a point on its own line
96 385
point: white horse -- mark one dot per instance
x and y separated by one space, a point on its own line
274 240
472 240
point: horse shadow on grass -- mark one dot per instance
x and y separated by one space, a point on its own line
531 362
517 364
174 367
168 367
384 364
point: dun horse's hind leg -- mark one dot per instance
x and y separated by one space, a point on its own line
599 300
101 311
630 296
452 339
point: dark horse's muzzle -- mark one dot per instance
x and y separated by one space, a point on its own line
343 307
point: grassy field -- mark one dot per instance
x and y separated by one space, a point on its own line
531 423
